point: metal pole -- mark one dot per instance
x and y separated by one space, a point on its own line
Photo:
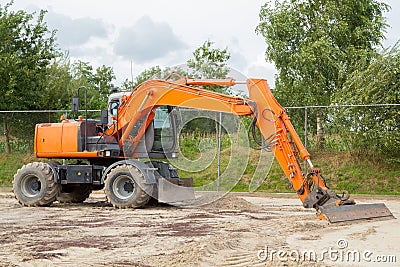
86 115
86 118
305 132
305 127
219 151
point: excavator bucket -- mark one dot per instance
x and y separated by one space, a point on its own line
354 212
336 208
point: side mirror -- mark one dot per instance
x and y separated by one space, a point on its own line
104 117
75 105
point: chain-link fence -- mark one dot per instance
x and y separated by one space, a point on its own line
18 127
368 130
374 127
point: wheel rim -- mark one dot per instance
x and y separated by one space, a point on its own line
124 187
31 186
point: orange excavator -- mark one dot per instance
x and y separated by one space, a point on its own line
106 153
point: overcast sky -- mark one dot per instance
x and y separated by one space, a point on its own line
155 32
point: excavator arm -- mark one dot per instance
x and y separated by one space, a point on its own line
268 115
310 187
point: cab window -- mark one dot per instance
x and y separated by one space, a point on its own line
163 130
114 104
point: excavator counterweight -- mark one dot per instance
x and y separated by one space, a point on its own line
131 128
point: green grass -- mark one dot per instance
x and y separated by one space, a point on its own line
10 163
342 171
363 175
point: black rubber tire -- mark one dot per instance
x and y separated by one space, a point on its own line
136 194
74 193
34 185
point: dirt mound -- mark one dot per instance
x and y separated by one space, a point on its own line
231 202
218 201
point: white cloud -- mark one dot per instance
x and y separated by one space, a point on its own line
147 40
238 61
75 32
183 28
392 35
262 69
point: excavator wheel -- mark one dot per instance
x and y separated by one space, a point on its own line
34 185
126 187
74 193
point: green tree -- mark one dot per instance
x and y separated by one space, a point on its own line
55 95
374 129
59 85
316 45
27 49
209 63
103 80
98 83
152 73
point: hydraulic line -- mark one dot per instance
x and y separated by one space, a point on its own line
263 143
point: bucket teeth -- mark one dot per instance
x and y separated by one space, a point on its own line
355 212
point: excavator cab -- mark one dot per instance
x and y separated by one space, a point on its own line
159 138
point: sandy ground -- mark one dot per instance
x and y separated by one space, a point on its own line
238 230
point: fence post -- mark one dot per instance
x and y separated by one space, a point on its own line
305 126
305 132
219 151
